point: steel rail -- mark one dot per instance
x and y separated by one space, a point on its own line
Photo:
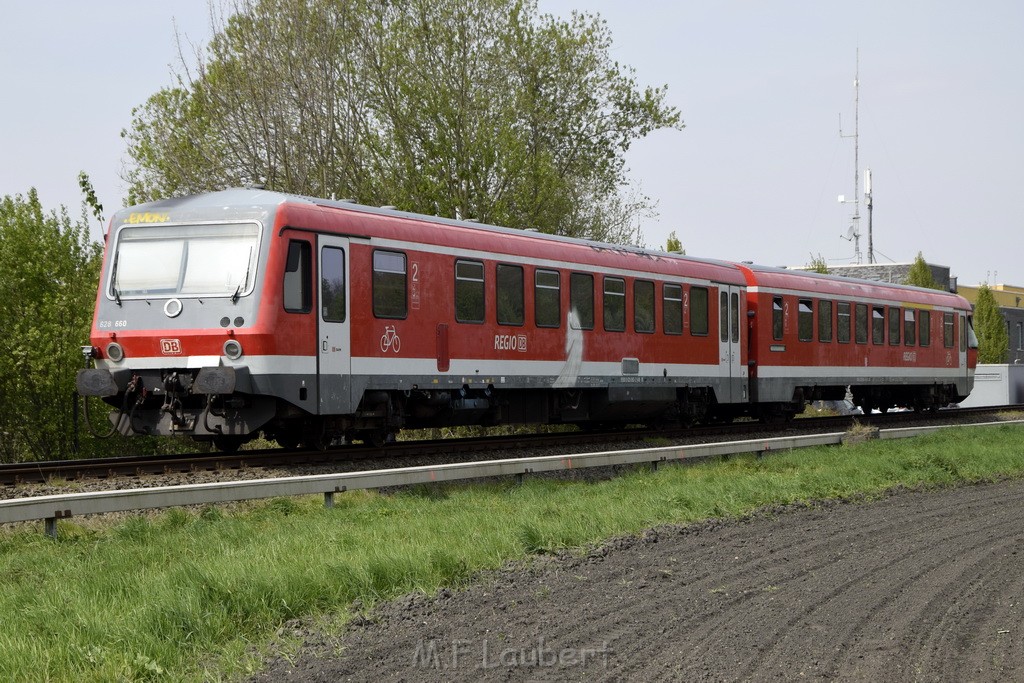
62 506
112 467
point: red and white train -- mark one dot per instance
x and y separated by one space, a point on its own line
223 315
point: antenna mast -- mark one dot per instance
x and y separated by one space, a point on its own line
854 232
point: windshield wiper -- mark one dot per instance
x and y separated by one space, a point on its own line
248 268
113 281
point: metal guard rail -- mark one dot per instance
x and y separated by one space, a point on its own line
62 506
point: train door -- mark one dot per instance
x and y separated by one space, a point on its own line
334 364
730 357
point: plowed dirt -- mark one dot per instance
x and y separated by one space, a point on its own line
921 585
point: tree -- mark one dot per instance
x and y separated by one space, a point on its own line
483 110
48 274
818 264
673 245
990 328
920 275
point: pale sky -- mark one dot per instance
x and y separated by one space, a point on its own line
756 173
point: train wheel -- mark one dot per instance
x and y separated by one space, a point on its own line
227 443
287 441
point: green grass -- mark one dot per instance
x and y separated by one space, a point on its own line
197 594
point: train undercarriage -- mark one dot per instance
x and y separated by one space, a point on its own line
208 406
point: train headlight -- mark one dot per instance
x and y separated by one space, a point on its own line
232 349
115 352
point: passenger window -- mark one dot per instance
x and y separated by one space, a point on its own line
469 291
672 309
614 304
723 316
332 284
643 306
894 325
777 318
925 326
547 310
947 330
297 293
877 325
805 320
843 322
581 298
698 311
860 323
735 317
909 327
389 284
509 294
825 321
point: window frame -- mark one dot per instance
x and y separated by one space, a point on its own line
304 270
924 328
909 330
844 310
666 307
825 321
895 320
860 323
778 318
805 320
499 290
704 329
323 290
637 294
607 299
574 278
479 283
405 284
538 287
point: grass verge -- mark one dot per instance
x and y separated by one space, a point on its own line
196 594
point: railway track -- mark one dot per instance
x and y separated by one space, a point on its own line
129 466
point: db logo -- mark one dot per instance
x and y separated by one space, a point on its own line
170 347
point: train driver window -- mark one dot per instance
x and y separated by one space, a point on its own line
805 320
389 284
643 306
672 309
909 327
547 308
469 291
581 299
297 294
509 294
332 284
947 330
614 304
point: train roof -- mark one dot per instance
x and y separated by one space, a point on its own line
252 203
770 277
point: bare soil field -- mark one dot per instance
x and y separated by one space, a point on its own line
918 586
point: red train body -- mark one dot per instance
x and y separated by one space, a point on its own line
225 315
